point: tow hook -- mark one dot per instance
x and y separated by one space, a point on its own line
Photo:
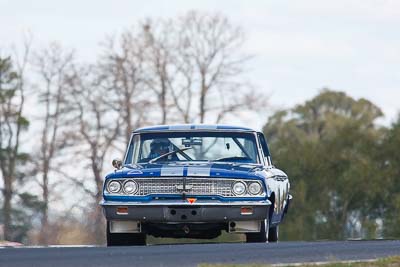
186 229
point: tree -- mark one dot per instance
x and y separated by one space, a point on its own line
188 69
121 75
53 67
159 58
12 124
211 45
328 146
97 130
389 158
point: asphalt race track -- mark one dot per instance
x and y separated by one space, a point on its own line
194 254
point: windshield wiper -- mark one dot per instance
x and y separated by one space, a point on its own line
169 153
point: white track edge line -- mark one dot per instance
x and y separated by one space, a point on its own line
321 262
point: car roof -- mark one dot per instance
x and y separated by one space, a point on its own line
193 127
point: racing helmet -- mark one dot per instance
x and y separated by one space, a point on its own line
160 145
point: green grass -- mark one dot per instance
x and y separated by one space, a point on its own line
385 262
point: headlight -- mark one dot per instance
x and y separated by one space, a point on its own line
254 188
114 187
239 188
130 187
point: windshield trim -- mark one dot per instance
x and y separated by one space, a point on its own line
194 131
252 132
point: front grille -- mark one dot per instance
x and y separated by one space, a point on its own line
188 185
194 186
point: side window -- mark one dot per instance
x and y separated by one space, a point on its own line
250 148
265 149
130 152
145 150
128 158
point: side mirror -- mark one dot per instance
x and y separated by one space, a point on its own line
117 163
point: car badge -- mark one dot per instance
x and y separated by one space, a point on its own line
182 187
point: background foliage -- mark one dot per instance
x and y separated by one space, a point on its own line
343 168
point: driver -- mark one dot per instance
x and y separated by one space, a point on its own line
159 147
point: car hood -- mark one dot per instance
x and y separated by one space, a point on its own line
197 169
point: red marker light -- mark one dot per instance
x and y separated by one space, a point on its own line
122 210
191 200
246 210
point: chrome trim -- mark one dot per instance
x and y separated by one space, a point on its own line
260 154
185 203
269 161
279 178
248 186
260 159
127 149
201 186
193 130
129 180
120 187
245 188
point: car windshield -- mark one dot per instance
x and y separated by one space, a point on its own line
192 146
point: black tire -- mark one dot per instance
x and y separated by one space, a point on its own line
260 237
273 234
125 239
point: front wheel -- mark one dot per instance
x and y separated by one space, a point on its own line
260 237
124 239
273 234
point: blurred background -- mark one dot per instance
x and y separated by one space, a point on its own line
319 78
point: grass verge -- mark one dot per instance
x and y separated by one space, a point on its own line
384 262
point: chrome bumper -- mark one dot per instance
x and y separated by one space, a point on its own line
183 211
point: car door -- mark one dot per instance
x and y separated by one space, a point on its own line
279 183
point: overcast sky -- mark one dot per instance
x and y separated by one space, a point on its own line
299 47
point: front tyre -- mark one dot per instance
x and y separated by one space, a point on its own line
124 239
260 237
273 234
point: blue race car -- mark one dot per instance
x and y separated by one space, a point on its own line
194 181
